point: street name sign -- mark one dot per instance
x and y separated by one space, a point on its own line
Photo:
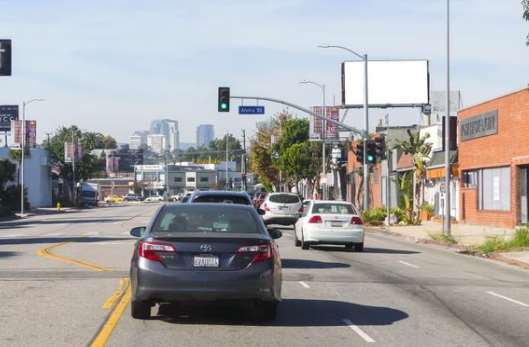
251 109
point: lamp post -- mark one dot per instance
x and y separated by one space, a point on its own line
23 147
366 119
446 221
323 132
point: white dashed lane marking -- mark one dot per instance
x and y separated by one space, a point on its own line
359 331
303 284
408 264
508 299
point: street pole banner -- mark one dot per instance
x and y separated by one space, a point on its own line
30 129
315 127
72 151
8 113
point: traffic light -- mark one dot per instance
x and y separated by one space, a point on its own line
380 147
224 99
359 151
371 152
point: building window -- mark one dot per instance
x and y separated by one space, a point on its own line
204 179
178 179
494 189
470 179
190 179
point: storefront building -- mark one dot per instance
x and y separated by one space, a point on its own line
494 161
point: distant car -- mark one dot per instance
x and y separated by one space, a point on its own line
330 222
113 199
131 197
227 197
281 208
185 198
154 198
206 252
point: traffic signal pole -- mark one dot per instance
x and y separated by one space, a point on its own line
366 135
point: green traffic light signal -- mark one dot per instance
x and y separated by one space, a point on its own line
224 99
370 159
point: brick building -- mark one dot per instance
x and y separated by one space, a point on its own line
494 161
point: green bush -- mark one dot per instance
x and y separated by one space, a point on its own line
374 216
493 245
398 213
520 239
428 208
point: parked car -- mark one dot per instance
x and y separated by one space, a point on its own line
113 199
131 197
154 198
185 198
226 246
330 222
281 208
220 196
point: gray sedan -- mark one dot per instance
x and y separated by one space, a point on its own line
206 252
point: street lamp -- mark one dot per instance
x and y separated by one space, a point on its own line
366 118
23 147
324 129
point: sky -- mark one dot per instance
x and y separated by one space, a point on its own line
112 66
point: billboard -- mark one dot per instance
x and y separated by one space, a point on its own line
392 83
7 114
31 132
69 150
315 127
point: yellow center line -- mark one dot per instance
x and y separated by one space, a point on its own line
46 252
104 334
123 284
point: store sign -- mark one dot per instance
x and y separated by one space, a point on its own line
483 125
8 113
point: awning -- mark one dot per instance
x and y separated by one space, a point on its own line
439 172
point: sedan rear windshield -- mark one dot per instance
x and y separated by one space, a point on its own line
226 199
333 208
284 199
205 219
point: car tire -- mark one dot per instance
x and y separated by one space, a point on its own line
359 247
266 311
349 246
304 245
297 242
140 310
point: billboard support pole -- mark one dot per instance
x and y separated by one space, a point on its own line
366 136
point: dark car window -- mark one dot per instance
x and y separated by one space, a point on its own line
226 199
284 199
210 219
329 208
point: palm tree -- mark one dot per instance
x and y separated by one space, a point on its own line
420 150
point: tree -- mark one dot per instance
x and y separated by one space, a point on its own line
419 149
261 155
525 7
9 194
109 142
92 140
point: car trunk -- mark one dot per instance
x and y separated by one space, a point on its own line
336 221
208 254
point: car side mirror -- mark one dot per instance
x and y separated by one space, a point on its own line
261 211
138 231
275 233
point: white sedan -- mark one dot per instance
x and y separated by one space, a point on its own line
329 222
154 198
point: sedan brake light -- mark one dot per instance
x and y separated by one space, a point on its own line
315 219
356 220
149 249
261 252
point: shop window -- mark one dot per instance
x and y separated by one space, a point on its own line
494 189
178 179
204 179
191 179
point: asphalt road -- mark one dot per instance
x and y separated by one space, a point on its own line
63 283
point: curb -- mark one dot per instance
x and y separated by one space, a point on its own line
457 248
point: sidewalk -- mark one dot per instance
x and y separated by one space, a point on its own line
466 236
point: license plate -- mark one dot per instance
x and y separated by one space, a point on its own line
205 261
336 224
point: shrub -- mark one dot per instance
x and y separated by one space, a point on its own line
375 216
493 245
398 213
520 239
428 208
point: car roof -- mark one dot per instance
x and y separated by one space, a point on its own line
219 192
212 205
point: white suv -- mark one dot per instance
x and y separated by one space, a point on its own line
282 208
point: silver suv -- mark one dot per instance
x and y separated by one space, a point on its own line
282 208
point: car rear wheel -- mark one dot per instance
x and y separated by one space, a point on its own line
304 245
140 310
349 246
266 311
297 242
359 247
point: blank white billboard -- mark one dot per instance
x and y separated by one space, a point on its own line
392 83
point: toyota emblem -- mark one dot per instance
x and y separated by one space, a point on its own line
206 248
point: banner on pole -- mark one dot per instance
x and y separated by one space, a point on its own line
315 127
30 129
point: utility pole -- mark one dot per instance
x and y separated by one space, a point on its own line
324 137
388 167
227 156
48 144
243 161
74 152
446 220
